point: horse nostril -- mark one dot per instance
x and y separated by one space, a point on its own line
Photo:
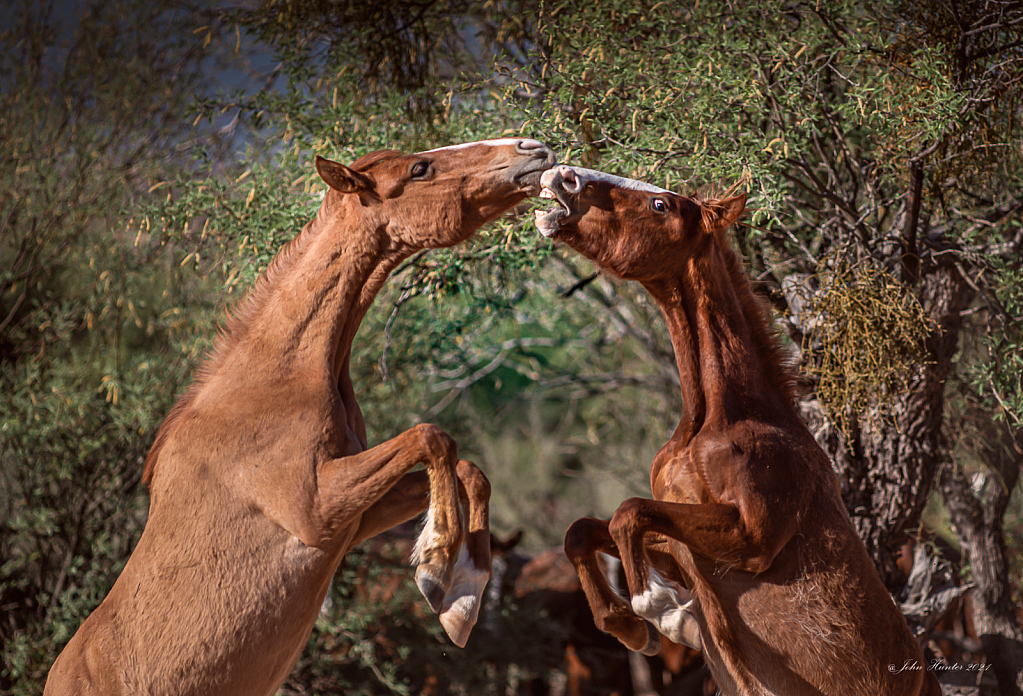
529 145
569 177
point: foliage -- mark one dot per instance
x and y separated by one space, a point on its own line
351 650
865 335
879 141
997 374
869 134
879 135
375 635
93 318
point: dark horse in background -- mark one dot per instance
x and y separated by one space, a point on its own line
747 547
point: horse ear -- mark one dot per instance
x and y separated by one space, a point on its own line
718 215
341 178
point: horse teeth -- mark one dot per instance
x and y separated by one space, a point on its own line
546 193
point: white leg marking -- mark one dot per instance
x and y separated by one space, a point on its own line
461 606
663 606
611 567
427 539
462 602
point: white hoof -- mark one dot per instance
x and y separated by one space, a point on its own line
461 605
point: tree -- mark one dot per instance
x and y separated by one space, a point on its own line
882 142
877 139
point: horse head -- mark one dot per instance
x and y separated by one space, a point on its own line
456 188
631 228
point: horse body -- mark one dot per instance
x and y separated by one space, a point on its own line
746 549
261 477
240 609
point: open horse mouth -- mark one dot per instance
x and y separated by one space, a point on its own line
563 185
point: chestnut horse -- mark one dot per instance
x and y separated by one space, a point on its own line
746 547
261 478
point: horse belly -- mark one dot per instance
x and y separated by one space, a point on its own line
808 635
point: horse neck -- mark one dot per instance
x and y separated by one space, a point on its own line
304 313
299 320
729 365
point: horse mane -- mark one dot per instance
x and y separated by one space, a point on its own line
237 321
755 309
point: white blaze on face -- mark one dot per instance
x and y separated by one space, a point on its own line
526 142
591 175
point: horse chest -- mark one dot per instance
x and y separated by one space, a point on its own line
203 605
675 479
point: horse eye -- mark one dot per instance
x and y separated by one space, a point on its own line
658 204
420 169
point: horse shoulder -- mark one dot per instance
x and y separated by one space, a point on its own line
250 464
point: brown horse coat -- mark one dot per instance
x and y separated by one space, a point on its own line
261 478
747 547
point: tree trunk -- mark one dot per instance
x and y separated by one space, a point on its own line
888 465
976 508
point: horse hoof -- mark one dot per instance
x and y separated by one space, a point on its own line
457 627
653 640
432 590
691 634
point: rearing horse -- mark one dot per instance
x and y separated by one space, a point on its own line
747 547
261 477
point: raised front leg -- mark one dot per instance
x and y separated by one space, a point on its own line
409 497
348 487
611 614
461 605
715 531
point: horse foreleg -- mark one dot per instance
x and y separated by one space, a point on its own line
352 485
712 530
472 568
409 497
611 614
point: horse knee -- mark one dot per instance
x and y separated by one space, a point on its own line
627 519
435 443
579 538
